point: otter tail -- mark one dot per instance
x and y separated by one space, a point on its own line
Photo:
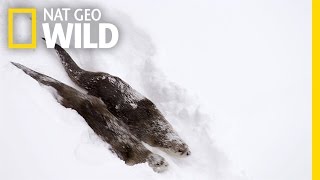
72 69
41 78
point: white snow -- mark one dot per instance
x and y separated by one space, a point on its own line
248 62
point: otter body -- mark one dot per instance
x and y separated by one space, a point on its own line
104 124
142 117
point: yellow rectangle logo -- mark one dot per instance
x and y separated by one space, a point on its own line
33 12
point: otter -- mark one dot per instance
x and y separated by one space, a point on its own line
104 124
141 115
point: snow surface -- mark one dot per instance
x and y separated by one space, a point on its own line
261 128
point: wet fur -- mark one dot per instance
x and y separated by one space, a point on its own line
142 117
103 123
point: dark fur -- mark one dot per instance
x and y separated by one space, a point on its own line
103 123
141 115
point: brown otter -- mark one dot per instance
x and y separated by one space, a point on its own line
141 115
103 123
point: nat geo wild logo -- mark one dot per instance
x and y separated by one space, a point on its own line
75 28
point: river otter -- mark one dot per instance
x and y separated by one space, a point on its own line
143 118
103 123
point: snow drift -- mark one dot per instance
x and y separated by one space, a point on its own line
40 139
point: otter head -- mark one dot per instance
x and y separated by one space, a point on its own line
157 163
178 148
183 149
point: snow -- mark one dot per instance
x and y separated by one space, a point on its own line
249 120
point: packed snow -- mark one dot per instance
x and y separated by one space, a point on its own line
40 139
